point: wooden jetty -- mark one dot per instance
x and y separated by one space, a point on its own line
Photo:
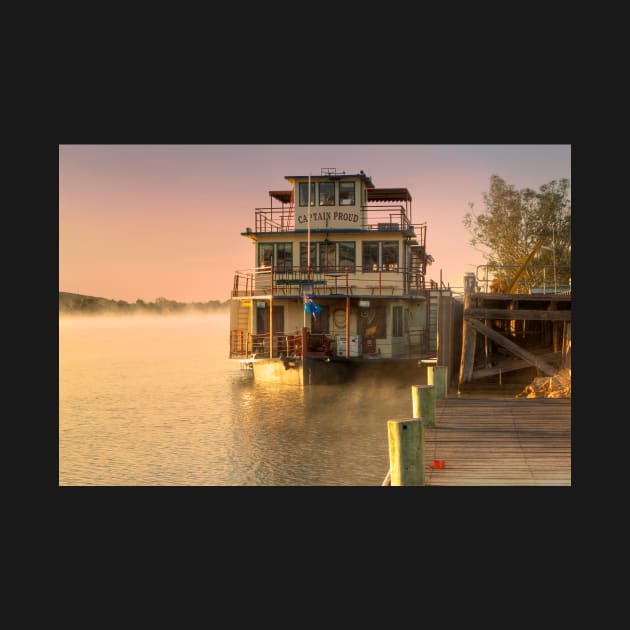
532 330
496 442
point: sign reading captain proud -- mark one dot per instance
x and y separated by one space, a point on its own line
326 219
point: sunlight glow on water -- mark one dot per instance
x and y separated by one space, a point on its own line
155 401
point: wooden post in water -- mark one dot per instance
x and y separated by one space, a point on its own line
437 376
406 452
423 403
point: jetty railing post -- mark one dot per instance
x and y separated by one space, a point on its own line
406 452
437 376
423 403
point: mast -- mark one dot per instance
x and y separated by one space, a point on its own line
308 230
308 237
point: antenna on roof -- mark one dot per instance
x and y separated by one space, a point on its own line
332 171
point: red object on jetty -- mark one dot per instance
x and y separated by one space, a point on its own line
438 463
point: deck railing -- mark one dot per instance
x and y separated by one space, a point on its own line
385 280
244 344
537 279
379 218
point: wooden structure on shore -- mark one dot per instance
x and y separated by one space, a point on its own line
506 332
493 442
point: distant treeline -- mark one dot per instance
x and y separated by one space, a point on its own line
76 304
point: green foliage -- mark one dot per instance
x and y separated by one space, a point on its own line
74 303
515 221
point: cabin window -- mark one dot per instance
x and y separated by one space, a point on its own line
303 259
327 256
390 256
282 253
347 255
304 194
284 256
380 255
326 193
370 251
346 193
397 321
265 254
373 324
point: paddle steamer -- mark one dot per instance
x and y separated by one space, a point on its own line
338 289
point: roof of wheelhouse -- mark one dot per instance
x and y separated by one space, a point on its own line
373 193
388 194
332 174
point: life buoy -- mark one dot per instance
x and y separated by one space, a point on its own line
339 318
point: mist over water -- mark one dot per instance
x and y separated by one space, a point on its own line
155 401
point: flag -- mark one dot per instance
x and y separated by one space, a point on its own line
311 307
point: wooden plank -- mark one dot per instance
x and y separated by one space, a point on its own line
511 364
511 346
519 442
522 297
519 313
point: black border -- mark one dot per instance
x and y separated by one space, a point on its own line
301 518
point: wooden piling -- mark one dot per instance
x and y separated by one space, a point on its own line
437 375
406 452
444 329
469 339
423 403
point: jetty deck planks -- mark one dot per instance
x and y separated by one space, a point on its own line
489 442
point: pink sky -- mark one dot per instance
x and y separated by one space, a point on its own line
149 221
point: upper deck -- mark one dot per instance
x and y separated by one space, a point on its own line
335 202
341 234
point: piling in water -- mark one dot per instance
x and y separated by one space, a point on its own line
406 452
423 403
437 376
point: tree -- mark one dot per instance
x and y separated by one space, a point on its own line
514 222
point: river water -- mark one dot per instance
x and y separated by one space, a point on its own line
155 401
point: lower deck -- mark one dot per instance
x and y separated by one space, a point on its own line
332 326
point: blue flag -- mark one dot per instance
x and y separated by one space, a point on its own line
311 307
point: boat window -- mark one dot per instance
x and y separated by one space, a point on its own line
304 193
282 253
390 256
347 255
265 254
374 323
327 256
326 193
284 257
397 321
346 193
303 259
370 255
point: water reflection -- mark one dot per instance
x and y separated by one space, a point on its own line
156 401
320 435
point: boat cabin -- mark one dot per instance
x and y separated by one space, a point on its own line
335 240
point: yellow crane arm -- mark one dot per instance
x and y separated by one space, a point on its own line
521 271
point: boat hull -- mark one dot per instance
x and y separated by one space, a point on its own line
330 371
